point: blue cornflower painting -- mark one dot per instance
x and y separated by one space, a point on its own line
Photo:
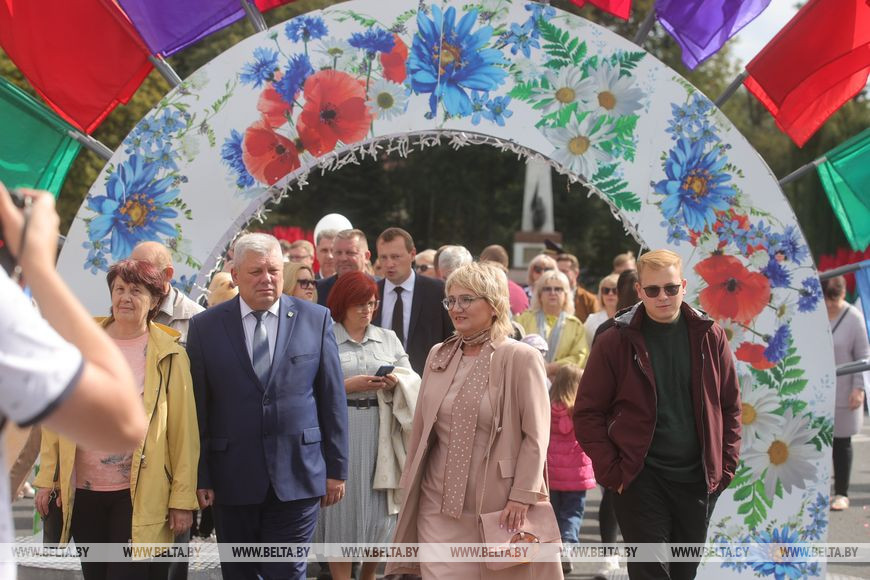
135 208
695 186
373 41
231 155
447 59
306 28
297 71
262 70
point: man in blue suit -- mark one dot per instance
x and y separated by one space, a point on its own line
272 411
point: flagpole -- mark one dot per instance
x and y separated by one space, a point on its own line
800 171
165 70
839 271
732 88
645 27
91 144
254 15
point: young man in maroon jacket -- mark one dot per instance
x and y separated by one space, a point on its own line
658 411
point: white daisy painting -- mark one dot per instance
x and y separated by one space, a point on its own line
579 144
759 418
615 94
387 99
786 456
564 87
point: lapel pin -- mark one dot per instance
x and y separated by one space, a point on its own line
289 315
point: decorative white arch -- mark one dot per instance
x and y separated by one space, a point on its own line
372 75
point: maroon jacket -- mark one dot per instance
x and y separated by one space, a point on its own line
615 412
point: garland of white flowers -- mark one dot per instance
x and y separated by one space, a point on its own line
404 144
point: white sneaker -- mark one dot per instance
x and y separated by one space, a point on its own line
27 490
609 566
840 503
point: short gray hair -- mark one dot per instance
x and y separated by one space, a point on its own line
262 244
328 234
452 257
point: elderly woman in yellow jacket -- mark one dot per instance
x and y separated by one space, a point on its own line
552 316
147 496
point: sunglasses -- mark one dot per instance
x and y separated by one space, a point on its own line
306 284
541 269
605 290
553 289
423 267
670 290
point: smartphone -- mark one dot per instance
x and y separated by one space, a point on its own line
385 370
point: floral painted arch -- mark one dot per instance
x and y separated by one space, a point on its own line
319 91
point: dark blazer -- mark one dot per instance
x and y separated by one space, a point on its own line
291 432
430 323
324 285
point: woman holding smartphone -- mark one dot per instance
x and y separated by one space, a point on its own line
376 396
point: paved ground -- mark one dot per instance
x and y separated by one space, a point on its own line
852 525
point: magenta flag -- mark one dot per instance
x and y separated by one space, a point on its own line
168 26
701 27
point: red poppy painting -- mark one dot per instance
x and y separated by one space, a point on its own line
335 110
732 292
394 61
754 355
267 155
274 109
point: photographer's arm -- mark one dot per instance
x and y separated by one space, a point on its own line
103 410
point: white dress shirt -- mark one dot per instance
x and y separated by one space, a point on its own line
388 302
249 323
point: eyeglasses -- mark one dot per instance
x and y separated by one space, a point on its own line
463 302
306 284
553 289
605 290
370 305
670 290
541 269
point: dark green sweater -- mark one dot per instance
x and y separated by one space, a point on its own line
675 451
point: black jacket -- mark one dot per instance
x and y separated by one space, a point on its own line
429 324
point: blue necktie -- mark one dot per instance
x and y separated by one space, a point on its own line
260 350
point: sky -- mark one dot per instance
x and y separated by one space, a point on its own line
760 31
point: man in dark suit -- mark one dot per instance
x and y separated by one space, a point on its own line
410 304
272 412
351 251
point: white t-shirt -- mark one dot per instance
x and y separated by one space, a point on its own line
38 369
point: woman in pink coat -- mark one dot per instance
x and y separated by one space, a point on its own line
479 438
568 467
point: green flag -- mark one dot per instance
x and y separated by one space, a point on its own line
35 147
845 175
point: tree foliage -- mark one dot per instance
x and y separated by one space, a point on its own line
473 196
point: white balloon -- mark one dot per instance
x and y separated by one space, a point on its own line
332 221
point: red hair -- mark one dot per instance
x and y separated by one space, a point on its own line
349 290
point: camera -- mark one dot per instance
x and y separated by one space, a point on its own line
6 259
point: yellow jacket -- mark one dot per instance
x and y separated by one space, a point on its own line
572 348
164 470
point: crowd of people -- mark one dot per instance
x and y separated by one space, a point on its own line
423 397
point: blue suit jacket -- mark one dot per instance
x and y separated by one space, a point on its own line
291 432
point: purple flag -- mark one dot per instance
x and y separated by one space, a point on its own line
701 27
170 25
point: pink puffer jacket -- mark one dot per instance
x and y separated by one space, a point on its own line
568 467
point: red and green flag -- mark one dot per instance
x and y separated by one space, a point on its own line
620 8
816 63
35 147
845 175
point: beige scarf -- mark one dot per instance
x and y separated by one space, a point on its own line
464 420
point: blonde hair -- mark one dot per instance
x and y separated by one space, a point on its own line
565 383
567 303
221 289
291 276
544 261
490 283
659 260
609 279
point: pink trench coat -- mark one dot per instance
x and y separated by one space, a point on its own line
517 449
